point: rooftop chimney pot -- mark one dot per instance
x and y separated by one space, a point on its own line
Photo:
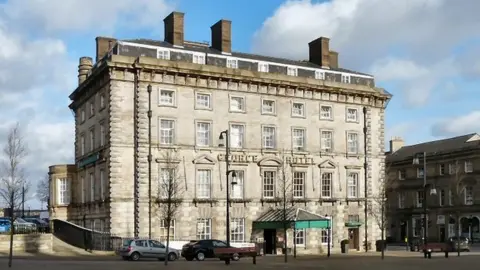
319 52
104 45
84 66
396 143
174 28
222 36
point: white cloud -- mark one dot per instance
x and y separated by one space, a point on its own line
465 124
52 16
405 36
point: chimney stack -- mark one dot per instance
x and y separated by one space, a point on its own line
222 36
85 65
319 52
396 143
174 33
104 45
333 59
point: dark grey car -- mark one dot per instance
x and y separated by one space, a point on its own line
136 249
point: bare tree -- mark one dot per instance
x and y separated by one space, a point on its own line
285 194
170 192
12 184
378 205
43 190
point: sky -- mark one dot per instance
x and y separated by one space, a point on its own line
425 52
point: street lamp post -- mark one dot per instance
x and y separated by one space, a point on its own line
416 161
224 140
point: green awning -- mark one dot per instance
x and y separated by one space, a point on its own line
294 217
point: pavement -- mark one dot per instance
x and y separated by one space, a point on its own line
358 261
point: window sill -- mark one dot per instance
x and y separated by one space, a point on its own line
327 200
353 155
270 200
269 113
300 152
240 200
269 151
236 111
203 109
206 200
326 119
168 146
298 116
352 121
204 148
167 200
167 105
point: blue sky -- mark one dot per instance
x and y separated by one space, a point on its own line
425 52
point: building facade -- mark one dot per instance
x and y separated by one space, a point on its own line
452 171
307 116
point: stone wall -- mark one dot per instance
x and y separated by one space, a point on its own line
31 243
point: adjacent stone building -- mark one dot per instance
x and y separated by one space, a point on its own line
452 171
301 119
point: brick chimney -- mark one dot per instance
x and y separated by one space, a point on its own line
174 33
84 66
396 143
104 45
222 36
333 59
319 52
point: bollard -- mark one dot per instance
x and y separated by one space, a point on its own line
227 261
254 259
429 255
425 254
446 254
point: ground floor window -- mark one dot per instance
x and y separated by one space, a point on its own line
417 227
324 236
204 228
237 230
164 230
300 237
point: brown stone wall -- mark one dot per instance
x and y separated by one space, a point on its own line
31 243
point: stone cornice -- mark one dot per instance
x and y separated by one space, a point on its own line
189 74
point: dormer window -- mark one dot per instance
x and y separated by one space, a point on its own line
291 71
262 67
232 63
345 78
198 59
163 54
319 75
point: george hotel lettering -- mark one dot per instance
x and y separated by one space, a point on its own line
256 158
239 158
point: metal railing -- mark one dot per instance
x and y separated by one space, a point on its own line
85 238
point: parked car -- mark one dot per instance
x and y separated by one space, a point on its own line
136 249
23 226
203 249
42 226
4 226
20 225
462 240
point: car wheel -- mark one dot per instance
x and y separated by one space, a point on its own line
235 257
172 256
200 256
135 256
189 258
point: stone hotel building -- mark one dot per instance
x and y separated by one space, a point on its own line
308 116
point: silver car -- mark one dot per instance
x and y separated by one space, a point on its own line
134 249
